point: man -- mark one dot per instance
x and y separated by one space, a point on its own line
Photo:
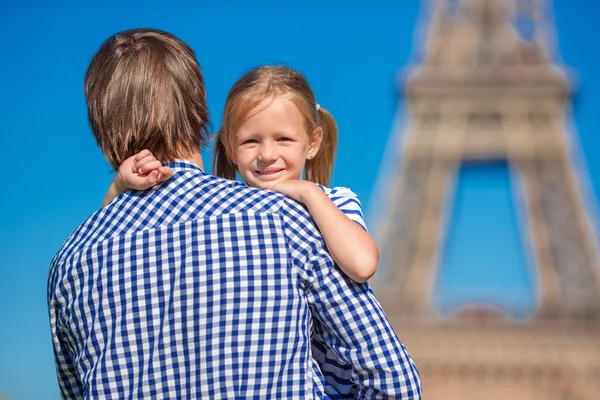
202 287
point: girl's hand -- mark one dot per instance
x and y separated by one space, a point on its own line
141 172
296 189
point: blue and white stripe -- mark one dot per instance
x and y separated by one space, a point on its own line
206 288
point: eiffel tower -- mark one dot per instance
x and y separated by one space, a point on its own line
485 92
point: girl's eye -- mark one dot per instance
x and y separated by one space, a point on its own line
284 139
250 141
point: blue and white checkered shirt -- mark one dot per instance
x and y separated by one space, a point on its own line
207 288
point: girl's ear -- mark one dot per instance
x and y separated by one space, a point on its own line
232 158
315 143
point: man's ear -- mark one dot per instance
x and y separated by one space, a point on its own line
315 143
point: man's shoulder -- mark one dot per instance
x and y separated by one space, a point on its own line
239 197
191 194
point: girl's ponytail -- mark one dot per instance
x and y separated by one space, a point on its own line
222 165
320 168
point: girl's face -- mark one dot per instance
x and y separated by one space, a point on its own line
273 145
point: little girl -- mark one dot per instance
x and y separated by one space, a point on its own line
272 131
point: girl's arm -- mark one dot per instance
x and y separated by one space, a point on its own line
116 188
138 172
349 244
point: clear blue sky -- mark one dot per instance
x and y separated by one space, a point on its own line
54 175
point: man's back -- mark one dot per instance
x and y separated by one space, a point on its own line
170 295
201 289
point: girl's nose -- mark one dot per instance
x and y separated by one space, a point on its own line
266 152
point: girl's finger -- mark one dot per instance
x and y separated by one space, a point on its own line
154 177
142 161
166 172
149 167
141 155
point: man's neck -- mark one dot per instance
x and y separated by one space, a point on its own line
195 158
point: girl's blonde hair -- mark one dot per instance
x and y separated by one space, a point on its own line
265 83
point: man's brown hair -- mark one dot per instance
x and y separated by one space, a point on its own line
144 90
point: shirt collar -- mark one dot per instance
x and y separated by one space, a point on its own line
182 166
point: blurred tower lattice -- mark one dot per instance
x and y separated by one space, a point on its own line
487 90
